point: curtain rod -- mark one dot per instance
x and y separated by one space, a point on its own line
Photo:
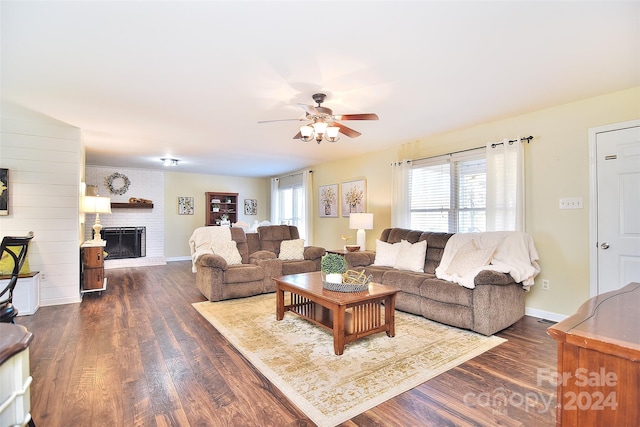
293 174
511 141
494 145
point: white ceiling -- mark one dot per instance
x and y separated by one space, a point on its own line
191 80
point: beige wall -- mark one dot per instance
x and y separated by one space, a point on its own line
375 168
557 165
178 228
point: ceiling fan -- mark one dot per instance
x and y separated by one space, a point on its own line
323 123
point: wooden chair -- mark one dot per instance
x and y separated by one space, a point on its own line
16 248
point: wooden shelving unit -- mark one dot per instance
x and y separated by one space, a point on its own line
227 204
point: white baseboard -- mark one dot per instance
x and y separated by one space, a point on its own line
544 314
134 262
179 258
60 301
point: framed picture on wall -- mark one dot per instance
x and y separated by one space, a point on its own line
185 205
4 191
354 195
328 201
250 207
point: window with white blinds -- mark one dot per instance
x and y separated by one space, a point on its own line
290 202
449 193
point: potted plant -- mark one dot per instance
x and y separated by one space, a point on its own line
333 266
215 207
224 219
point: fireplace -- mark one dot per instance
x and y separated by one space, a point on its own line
125 242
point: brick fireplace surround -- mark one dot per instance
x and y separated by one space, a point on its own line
146 184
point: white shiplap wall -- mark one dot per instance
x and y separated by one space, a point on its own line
44 159
145 184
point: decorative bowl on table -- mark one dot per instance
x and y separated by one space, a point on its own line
353 248
352 281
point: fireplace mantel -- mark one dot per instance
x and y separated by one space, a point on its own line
115 205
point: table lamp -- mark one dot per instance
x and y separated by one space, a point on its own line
361 222
96 205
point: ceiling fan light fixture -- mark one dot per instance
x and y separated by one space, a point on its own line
322 123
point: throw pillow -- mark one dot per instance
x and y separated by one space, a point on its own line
386 253
291 249
469 257
7 264
228 251
411 256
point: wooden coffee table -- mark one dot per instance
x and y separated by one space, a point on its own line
350 315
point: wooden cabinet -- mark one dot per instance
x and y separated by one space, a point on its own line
92 268
221 205
598 376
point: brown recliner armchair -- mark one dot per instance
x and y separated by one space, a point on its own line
218 280
269 240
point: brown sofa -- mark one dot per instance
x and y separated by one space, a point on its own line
495 303
260 264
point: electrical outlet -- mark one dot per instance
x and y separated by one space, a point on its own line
571 203
43 276
545 284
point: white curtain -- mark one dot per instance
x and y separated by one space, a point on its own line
400 209
275 202
307 185
505 186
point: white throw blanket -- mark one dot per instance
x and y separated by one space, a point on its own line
515 254
203 238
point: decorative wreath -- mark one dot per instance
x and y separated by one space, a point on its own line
125 183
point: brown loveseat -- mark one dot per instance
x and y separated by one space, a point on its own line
217 280
495 303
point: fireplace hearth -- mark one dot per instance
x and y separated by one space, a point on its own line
125 242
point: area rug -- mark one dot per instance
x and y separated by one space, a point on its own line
297 356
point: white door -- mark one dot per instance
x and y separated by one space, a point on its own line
617 245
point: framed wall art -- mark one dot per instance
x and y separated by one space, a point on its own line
250 207
185 205
354 195
4 191
328 201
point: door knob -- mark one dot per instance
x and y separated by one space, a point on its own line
604 245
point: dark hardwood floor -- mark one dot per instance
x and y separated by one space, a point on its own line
140 355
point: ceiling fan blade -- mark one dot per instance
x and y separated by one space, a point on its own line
282 120
347 131
309 109
297 135
367 116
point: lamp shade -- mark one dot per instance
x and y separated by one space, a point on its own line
306 131
96 204
320 127
361 221
332 133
